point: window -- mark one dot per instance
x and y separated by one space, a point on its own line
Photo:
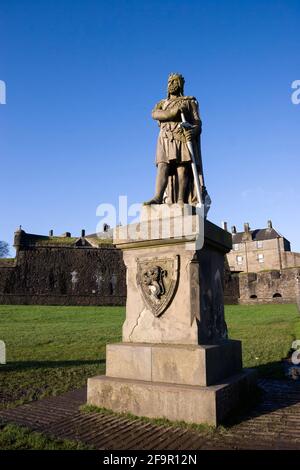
236 246
260 258
239 260
259 244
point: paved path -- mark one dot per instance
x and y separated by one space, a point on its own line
272 424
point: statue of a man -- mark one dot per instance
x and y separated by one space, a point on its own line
174 181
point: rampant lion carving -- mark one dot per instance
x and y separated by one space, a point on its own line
153 279
157 279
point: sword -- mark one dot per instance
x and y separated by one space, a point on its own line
202 195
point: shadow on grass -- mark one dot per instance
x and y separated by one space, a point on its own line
15 366
271 370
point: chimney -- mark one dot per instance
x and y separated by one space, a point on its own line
224 226
82 233
233 229
247 236
106 227
50 233
67 235
246 227
270 225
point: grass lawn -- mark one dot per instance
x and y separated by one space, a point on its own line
16 437
267 333
51 350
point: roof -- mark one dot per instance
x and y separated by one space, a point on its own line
7 262
33 240
102 235
260 234
88 242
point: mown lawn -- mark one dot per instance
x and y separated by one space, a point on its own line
14 437
51 350
267 333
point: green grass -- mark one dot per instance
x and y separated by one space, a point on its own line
56 241
267 333
64 241
51 350
14 437
7 262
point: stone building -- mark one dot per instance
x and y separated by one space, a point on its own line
64 270
261 268
259 250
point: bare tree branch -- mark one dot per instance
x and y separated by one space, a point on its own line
4 249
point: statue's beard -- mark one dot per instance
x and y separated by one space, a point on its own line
174 89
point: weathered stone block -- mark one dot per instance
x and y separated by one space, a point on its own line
179 364
131 361
195 314
189 403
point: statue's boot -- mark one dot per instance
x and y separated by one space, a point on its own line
161 184
153 201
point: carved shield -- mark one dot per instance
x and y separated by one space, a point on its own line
157 279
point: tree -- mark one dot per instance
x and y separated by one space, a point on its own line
4 249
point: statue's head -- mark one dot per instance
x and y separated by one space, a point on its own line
175 84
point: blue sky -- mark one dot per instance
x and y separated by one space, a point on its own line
83 76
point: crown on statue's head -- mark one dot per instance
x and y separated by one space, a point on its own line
178 77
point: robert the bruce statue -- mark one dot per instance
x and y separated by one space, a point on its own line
178 148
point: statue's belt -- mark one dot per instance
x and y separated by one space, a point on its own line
177 135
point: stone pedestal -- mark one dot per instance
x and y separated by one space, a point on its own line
175 360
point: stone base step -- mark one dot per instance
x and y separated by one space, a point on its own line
189 403
172 363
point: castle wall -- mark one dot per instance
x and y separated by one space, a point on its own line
290 259
231 288
64 276
264 287
97 276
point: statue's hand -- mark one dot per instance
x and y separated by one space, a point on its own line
189 133
174 112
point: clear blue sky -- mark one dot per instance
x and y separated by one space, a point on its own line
83 76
